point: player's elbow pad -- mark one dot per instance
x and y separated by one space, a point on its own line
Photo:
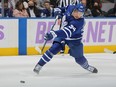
68 32
60 34
64 33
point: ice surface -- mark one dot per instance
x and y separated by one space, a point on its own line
61 71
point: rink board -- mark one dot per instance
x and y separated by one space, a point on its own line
87 49
9 34
20 36
98 34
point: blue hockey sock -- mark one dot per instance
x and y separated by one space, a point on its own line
82 61
47 56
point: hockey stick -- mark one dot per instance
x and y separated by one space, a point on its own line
109 51
61 51
50 30
37 48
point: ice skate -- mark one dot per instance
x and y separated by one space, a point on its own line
92 69
37 69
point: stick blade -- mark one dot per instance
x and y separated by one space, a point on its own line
38 49
108 51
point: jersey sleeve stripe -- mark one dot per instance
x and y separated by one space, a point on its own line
68 30
65 32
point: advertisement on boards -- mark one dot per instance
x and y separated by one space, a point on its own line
8 36
97 32
100 32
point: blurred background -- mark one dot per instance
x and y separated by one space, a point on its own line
23 24
45 8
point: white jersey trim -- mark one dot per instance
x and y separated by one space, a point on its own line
68 30
73 38
44 60
47 56
65 32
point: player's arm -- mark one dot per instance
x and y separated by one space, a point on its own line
59 11
66 32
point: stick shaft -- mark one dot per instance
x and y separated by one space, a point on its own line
50 30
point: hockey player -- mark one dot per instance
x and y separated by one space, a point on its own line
71 34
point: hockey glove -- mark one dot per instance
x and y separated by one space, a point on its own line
49 36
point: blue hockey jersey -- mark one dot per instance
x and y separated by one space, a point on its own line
73 28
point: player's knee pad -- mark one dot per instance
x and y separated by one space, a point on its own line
61 42
76 51
55 48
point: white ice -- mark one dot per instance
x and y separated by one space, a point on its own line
61 71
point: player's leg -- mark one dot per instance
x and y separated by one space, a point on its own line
84 63
47 56
77 52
